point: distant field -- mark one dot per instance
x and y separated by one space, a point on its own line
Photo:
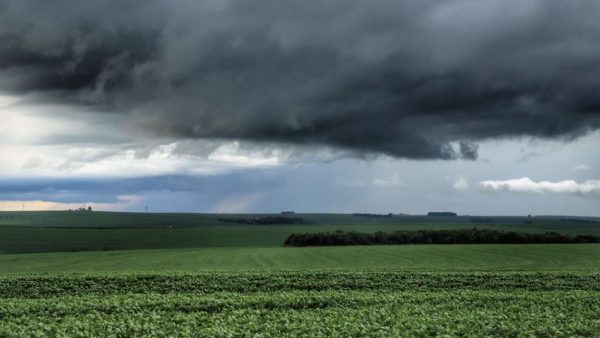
129 219
81 231
486 257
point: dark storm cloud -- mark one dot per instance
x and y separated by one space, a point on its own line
403 78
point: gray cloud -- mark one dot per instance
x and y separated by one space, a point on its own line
406 79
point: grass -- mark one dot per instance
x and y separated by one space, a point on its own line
538 257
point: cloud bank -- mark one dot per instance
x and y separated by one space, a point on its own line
526 185
416 79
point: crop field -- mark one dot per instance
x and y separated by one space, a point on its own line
294 304
485 257
100 231
184 275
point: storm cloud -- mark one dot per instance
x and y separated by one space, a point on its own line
414 79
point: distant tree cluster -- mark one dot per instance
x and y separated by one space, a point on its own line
372 215
442 213
464 236
263 220
82 208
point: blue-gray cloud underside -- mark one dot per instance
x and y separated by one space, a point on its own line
109 190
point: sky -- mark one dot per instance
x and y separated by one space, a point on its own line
478 107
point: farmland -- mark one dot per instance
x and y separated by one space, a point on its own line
302 304
486 257
99 231
191 275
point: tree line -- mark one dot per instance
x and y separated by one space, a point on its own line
460 236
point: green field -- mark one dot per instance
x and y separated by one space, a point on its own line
77 231
190 275
484 257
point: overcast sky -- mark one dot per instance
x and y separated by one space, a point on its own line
478 107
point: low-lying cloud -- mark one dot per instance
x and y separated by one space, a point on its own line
416 79
526 185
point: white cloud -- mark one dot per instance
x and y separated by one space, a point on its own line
233 154
460 183
7 101
33 162
393 181
581 167
42 142
125 161
526 185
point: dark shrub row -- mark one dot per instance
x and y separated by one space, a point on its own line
578 220
466 236
442 213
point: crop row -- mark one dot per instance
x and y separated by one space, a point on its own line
40 286
333 313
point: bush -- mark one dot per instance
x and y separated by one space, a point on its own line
466 236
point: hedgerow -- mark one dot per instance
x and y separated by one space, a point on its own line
458 236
